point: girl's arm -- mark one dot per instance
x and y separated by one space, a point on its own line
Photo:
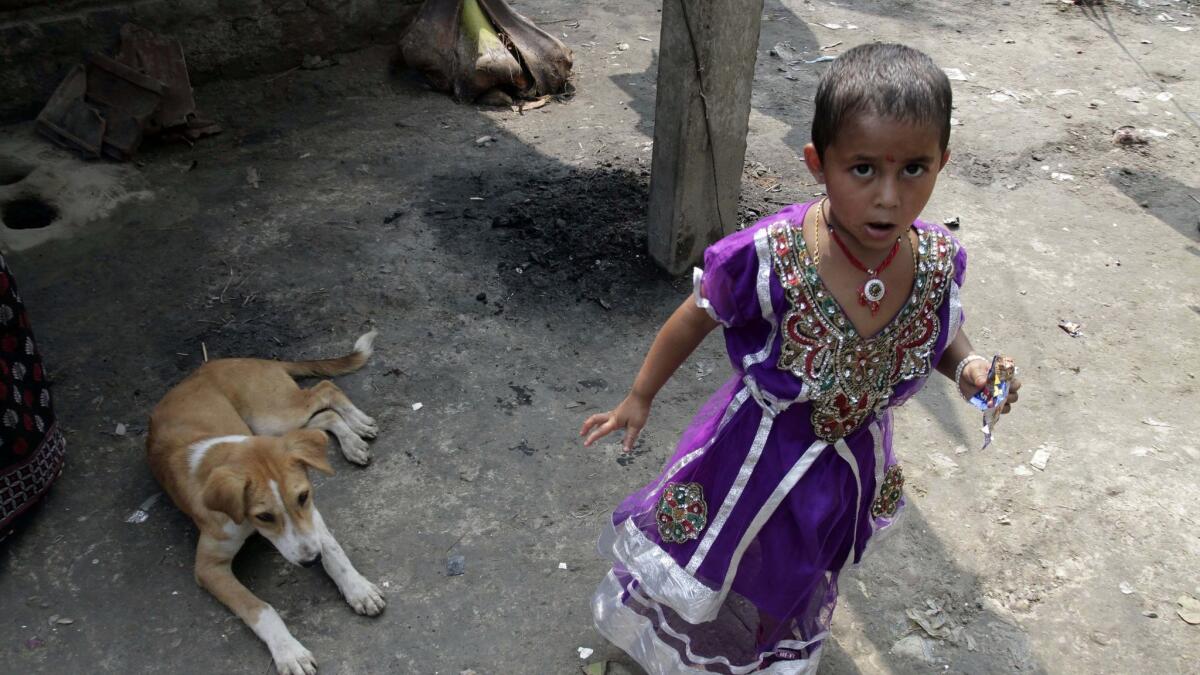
974 373
676 341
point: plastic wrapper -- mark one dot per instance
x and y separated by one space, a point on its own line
994 395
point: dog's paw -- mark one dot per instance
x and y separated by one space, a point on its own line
291 658
355 450
364 597
363 425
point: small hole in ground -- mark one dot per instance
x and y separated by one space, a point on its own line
12 171
27 213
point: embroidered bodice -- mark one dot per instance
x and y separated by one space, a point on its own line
848 375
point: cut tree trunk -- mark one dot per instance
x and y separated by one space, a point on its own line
477 49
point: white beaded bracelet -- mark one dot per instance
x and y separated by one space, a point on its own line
963 364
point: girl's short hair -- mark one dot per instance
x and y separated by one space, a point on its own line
889 80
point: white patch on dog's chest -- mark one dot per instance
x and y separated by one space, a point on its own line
197 450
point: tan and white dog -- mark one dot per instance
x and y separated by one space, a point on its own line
232 445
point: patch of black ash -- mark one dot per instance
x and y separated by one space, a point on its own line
578 236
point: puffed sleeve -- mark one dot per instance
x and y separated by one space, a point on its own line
726 287
956 314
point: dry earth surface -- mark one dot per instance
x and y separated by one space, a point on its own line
510 285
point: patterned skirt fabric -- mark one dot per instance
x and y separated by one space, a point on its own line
31 445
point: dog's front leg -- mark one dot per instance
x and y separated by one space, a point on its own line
214 573
364 596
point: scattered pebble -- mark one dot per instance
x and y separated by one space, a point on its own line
485 140
120 430
1189 609
1071 328
1040 458
1126 588
456 565
1022 470
562 566
417 406
585 652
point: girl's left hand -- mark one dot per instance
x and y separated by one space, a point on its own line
974 378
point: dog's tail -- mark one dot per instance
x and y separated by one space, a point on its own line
363 348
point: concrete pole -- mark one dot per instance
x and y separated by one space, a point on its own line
705 72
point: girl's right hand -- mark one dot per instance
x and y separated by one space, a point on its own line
630 415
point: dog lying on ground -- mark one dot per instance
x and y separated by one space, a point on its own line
232 445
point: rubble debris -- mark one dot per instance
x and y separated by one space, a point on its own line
142 513
914 647
785 51
936 624
955 74
1071 328
1041 457
106 106
456 565
470 47
1127 136
585 652
1189 609
952 223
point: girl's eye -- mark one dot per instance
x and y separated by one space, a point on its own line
914 170
862 170
266 517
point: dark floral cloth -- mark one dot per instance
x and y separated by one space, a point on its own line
31 445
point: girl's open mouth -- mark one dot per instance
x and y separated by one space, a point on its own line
880 230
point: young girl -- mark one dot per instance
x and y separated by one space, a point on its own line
834 311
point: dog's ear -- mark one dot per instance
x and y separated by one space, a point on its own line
308 447
225 491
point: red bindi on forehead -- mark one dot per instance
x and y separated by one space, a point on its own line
890 157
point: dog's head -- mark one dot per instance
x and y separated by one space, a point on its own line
270 489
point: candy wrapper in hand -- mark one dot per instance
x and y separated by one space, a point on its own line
994 395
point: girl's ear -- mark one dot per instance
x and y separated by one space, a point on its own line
945 159
813 160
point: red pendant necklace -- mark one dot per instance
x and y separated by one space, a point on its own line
872 292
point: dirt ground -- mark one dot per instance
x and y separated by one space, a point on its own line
513 295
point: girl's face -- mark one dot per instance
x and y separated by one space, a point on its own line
879 174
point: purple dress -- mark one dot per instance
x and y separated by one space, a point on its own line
787 471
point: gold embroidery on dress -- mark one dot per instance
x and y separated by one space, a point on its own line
889 493
850 376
